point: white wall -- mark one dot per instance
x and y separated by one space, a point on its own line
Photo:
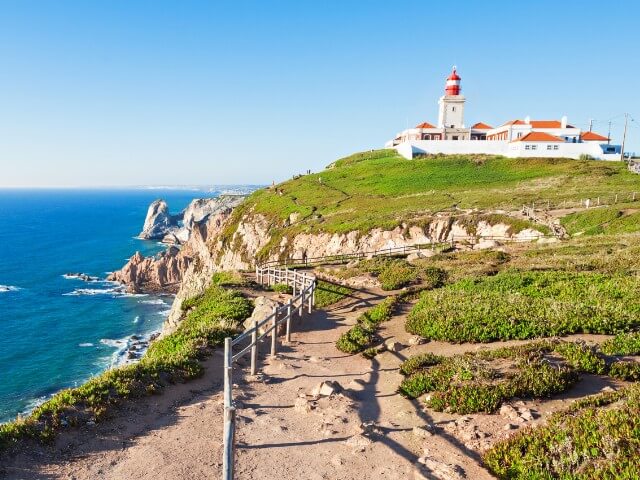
498 147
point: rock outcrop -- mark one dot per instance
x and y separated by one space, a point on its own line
158 221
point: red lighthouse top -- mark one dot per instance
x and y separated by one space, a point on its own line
452 87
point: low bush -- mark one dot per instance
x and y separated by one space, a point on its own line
212 316
329 293
623 344
363 334
396 273
481 381
282 288
523 305
596 438
625 370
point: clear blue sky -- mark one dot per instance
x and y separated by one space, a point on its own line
202 92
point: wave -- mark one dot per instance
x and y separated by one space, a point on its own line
128 349
119 291
154 301
137 319
86 344
8 288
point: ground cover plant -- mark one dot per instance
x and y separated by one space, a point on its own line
594 439
395 273
522 305
208 319
328 293
621 218
361 336
481 381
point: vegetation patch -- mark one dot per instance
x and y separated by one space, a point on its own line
282 288
328 293
623 344
481 381
211 317
596 438
361 336
599 220
523 305
396 273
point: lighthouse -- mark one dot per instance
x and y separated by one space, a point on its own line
451 112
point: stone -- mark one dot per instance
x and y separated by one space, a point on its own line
510 426
158 221
302 405
607 389
393 346
423 431
508 411
263 308
358 442
526 414
326 389
486 245
416 340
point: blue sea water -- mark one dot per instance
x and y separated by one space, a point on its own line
57 332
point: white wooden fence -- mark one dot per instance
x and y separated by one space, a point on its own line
303 298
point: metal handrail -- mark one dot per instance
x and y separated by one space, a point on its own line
307 283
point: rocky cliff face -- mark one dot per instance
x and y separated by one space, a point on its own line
158 221
188 271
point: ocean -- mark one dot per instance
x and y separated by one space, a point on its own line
57 331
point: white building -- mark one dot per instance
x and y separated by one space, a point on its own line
516 138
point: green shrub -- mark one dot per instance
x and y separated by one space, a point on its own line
625 370
329 293
623 344
362 335
397 275
522 305
596 438
418 362
582 357
282 288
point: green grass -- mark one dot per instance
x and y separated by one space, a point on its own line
480 382
623 344
395 273
522 305
604 220
328 293
383 190
598 438
173 358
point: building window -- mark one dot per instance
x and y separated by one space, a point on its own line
534 147
453 109
549 147
527 147
519 134
555 147
455 137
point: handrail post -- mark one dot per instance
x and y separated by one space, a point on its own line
301 302
310 293
229 413
288 336
254 348
274 332
313 293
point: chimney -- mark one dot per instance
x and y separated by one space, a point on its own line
563 122
527 119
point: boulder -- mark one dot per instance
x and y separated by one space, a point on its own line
263 308
393 346
420 254
486 245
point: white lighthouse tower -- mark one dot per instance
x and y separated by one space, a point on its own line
451 113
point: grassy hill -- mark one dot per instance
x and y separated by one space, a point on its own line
382 189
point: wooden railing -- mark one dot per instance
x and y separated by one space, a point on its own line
304 284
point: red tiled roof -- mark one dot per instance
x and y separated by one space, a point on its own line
589 136
425 125
539 137
482 126
513 122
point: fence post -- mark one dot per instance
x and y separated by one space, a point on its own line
257 272
313 294
254 348
295 276
310 300
229 413
288 336
301 301
274 332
